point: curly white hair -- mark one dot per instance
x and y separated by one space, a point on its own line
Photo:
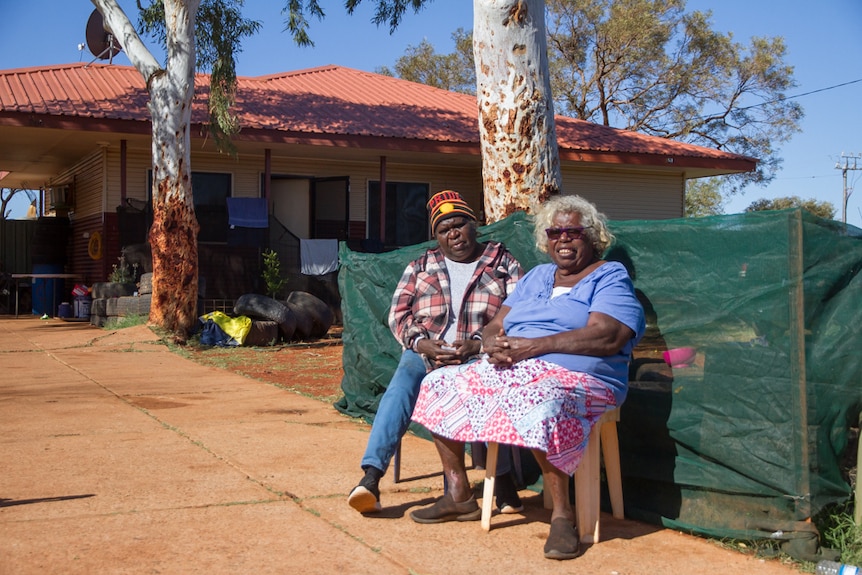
594 222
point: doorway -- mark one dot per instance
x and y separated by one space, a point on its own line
312 208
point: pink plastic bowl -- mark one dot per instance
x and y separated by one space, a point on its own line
680 356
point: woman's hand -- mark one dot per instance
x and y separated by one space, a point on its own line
491 344
441 353
504 350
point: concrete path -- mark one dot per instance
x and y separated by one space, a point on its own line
119 456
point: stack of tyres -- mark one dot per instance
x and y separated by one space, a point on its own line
105 298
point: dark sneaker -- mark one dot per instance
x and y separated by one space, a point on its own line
446 509
563 542
506 495
365 497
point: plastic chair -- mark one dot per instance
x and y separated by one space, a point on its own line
603 441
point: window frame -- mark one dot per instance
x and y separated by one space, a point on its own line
406 216
212 217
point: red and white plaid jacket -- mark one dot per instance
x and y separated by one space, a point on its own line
420 306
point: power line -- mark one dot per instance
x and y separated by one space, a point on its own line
802 94
785 98
806 177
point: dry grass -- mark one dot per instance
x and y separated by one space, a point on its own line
311 369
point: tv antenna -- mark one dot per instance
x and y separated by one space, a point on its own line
100 40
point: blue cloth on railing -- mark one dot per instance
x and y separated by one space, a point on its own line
247 212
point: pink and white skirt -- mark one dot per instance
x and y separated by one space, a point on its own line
534 404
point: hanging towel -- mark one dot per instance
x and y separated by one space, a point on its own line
247 212
319 257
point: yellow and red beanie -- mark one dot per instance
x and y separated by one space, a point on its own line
446 204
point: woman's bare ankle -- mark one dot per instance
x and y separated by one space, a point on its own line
460 495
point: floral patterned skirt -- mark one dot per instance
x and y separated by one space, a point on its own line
534 404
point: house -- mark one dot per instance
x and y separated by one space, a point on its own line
316 146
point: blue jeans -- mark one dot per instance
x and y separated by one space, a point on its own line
394 411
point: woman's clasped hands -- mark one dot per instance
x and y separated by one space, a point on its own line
443 353
503 350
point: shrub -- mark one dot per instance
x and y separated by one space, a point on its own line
123 272
272 273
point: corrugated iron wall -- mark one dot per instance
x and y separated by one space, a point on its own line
15 238
83 231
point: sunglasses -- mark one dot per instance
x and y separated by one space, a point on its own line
572 233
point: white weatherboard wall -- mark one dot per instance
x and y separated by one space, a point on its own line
627 194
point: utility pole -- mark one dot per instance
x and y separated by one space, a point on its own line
848 162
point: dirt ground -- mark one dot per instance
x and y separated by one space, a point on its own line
123 456
314 369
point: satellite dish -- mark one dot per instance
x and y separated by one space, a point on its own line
100 40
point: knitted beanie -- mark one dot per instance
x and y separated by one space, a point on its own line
446 204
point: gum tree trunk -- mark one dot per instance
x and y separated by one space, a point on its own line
173 235
520 159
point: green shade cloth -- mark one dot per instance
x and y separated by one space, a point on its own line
747 440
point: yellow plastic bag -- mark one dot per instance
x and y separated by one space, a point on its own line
236 327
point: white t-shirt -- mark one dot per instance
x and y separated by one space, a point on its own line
459 276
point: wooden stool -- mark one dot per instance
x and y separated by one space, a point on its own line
603 441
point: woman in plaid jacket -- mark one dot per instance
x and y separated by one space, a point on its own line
442 302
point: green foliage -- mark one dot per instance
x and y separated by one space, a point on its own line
272 273
387 12
121 322
455 71
703 198
219 30
821 209
218 37
297 23
123 273
839 531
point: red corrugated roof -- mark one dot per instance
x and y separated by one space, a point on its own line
329 100
338 100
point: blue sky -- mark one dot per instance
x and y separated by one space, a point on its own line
824 43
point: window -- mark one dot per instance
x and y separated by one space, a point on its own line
330 207
406 214
210 191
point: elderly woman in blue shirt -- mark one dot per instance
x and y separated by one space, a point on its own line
556 358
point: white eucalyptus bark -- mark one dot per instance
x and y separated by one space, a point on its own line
121 27
173 236
520 158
